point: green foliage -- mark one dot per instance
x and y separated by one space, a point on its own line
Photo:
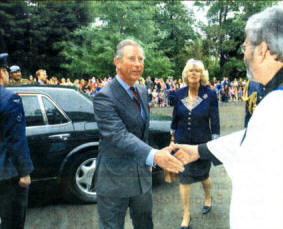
78 38
234 68
174 25
90 53
225 32
92 49
31 29
129 18
156 63
13 23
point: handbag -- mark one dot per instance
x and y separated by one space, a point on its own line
169 177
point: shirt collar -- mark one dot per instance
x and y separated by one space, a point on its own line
125 85
274 82
41 82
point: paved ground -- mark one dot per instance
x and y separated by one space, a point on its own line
49 211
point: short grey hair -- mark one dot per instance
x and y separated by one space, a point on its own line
122 44
204 78
267 26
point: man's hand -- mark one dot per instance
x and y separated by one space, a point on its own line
165 160
185 153
24 181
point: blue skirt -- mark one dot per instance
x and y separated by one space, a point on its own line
195 172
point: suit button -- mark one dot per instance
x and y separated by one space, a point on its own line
189 128
189 123
189 118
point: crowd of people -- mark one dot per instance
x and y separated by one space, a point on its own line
158 88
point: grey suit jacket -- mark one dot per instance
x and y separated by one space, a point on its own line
121 163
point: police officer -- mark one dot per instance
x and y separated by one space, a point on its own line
16 76
15 162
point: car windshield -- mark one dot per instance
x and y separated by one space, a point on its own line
87 96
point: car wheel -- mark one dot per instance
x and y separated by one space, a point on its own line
78 176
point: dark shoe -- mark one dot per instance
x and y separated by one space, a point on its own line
206 209
187 227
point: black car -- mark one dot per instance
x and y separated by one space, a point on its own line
63 137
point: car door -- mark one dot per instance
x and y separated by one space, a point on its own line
49 133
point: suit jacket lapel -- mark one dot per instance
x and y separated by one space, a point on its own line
123 97
120 92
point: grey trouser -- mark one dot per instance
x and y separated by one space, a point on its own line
112 211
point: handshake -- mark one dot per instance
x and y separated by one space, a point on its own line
174 157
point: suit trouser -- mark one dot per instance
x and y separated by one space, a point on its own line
112 211
13 204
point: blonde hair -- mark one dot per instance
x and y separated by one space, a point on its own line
204 78
39 71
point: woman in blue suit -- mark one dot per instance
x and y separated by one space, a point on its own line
195 120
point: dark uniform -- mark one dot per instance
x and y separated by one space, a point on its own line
17 79
15 159
19 82
254 94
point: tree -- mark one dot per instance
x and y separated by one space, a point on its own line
92 49
174 29
225 32
13 22
90 53
33 28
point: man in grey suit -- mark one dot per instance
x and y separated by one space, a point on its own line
123 175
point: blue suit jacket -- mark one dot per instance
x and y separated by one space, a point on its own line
121 164
196 125
14 152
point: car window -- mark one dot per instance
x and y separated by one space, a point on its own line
54 116
80 108
32 110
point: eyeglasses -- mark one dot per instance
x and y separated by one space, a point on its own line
243 48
